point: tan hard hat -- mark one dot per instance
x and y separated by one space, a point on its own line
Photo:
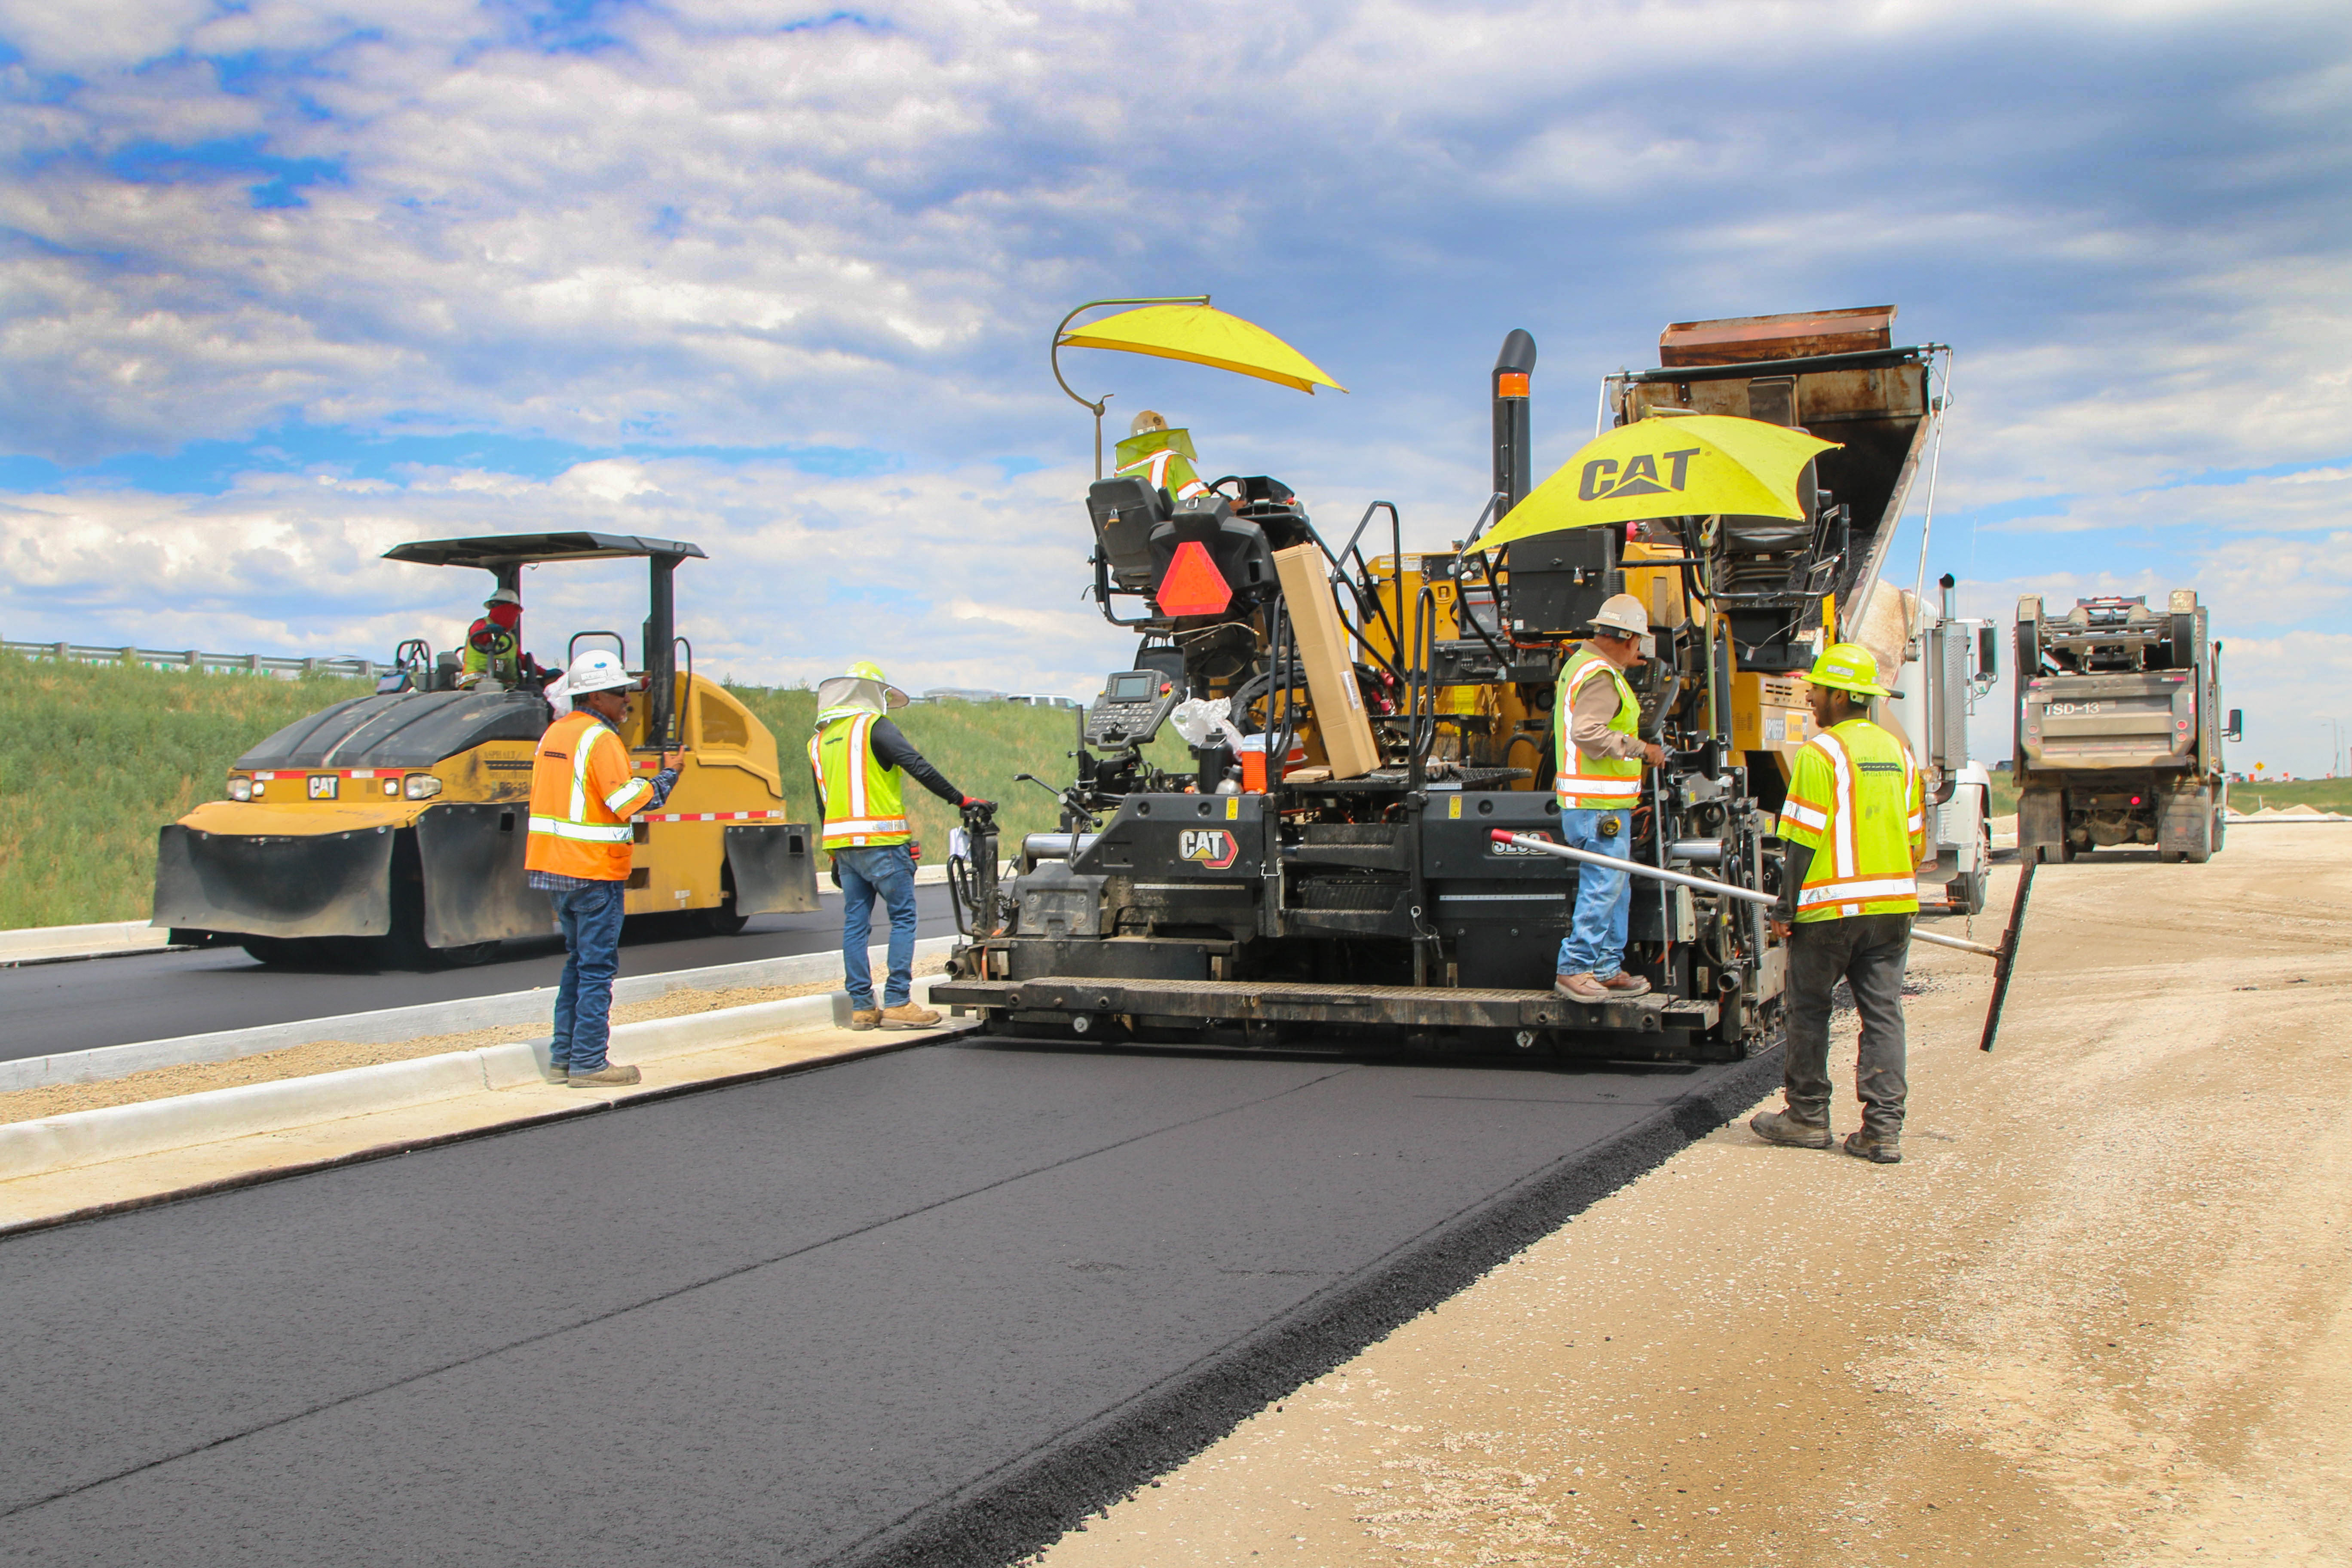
1622 613
1145 422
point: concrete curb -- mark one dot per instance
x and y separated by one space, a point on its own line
394 1024
51 944
152 1127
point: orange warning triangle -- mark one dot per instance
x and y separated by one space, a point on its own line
1193 585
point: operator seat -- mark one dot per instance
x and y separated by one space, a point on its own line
1125 510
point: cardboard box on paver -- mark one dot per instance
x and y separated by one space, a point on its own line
1348 743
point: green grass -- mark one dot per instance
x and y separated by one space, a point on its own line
95 758
979 747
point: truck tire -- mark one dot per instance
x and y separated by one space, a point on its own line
2220 827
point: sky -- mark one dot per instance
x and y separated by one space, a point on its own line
282 285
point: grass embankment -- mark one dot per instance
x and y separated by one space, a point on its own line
978 745
95 758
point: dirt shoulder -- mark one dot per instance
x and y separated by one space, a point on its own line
2102 1314
333 1056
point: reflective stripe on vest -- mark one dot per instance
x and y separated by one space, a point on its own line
1153 467
572 831
863 803
1583 782
1858 872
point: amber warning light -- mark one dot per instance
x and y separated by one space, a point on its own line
1511 384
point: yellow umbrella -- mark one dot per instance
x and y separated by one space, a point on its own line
1203 336
1668 467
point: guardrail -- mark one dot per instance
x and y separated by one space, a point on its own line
194 658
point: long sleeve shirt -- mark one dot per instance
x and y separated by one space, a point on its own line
892 748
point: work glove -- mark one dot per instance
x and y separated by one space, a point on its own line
972 800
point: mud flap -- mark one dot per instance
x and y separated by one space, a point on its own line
327 884
475 888
773 868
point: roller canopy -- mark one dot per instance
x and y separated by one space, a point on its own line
498 550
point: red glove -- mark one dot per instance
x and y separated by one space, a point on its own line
971 800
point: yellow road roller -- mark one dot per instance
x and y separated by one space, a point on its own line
390 829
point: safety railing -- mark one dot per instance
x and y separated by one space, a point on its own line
194 658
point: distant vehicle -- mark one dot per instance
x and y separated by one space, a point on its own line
2119 729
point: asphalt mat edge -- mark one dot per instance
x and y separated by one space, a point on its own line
1028 1505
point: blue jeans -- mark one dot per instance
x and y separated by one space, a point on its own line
591 919
888 873
1595 943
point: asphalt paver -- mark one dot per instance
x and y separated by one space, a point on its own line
924 1306
56 1007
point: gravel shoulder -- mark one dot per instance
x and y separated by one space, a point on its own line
333 1056
2102 1314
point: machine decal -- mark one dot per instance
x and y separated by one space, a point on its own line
1211 847
323 785
710 816
1515 852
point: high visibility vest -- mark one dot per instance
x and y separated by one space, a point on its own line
583 793
1584 783
491 650
865 802
1168 469
1858 803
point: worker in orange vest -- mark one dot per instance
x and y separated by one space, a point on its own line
584 791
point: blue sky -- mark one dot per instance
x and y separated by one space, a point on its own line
284 284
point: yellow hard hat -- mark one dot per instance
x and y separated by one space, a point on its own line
862 685
1848 667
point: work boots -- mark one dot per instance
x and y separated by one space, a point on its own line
1581 988
865 1017
1878 1148
611 1074
909 1015
1625 986
1791 1131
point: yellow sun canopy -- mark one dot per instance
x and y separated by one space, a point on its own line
1202 334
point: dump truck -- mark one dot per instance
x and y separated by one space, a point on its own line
391 829
2119 729
1355 850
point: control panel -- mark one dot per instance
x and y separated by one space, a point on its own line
1130 709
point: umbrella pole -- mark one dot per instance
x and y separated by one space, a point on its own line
1054 356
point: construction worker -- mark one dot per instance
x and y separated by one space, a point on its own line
1596 734
584 790
861 763
1161 455
494 645
1855 827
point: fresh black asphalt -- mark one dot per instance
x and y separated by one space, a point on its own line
51 1007
924 1306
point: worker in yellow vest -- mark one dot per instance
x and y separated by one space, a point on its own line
1596 723
1161 456
1855 827
584 788
861 763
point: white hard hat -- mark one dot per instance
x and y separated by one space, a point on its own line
595 670
1622 613
503 596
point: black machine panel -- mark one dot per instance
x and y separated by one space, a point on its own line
1132 706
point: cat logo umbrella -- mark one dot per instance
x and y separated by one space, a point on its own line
1693 465
1185 329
